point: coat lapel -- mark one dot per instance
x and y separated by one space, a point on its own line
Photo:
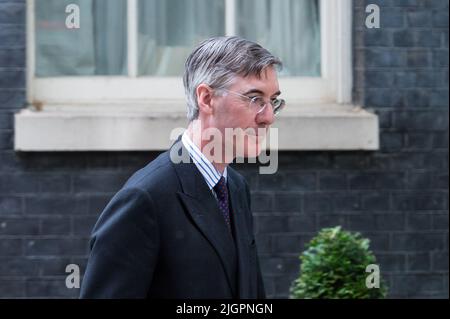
202 207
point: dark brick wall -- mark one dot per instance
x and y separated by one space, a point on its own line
398 196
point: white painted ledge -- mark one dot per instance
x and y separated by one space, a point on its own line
144 127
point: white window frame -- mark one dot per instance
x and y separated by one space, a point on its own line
333 86
117 113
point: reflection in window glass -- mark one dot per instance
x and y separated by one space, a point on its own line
169 30
98 47
290 29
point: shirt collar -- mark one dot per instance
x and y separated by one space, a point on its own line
206 168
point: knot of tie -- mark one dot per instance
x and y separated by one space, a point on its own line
221 189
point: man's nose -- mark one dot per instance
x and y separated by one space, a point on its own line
266 116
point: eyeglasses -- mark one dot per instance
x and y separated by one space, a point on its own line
259 104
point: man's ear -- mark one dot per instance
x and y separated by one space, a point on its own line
204 98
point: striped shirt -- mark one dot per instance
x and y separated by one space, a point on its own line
206 168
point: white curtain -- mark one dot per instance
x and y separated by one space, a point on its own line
290 29
169 29
98 47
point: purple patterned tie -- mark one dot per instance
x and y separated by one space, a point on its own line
222 196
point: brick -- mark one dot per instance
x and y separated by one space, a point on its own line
347 202
419 262
96 203
300 181
427 39
262 202
60 205
439 98
421 181
59 247
290 244
403 38
404 79
440 19
55 226
361 222
18 183
331 220
17 266
12 58
391 141
377 180
353 160
379 242
11 247
389 222
440 140
378 79
385 57
421 120
391 262
52 266
12 36
272 266
272 182
282 285
418 58
12 13
10 205
392 19
6 140
440 221
415 286
83 226
270 224
436 160
12 98
414 242
384 119
440 261
321 203
301 223
420 19
264 243
419 201
99 183
12 79
419 141
6 121
19 226
418 222
417 98
43 287
375 37
53 183
383 98
374 201
12 288
288 203
440 58
333 181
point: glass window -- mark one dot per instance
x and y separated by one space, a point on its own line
169 29
98 47
290 29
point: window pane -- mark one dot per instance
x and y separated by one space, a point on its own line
169 30
290 29
98 47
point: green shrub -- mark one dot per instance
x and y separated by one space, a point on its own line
334 266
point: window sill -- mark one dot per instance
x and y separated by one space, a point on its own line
139 128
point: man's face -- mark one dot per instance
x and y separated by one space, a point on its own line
236 112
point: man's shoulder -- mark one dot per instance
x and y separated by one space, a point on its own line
157 174
237 177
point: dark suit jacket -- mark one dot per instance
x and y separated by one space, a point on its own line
162 236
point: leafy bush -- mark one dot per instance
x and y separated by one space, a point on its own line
334 266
